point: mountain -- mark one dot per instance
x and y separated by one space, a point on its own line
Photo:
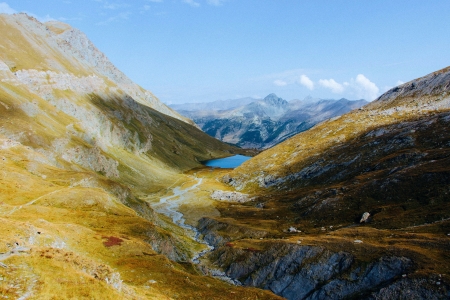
267 122
81 149
103 195
355 207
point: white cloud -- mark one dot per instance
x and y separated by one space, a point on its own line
365 88
70 19
154 0
279 82
119 17
400 82
192 3
305 81
361 87
112 6
215 2
331 84
6 9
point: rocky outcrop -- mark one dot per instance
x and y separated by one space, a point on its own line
227 196
310 272
217 233
434 84
405 288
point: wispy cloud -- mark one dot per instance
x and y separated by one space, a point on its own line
70 19
289 76
305 81
112 5
280 82
6 9
120 17
331 84
192 3
215 2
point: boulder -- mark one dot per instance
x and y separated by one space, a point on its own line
365 217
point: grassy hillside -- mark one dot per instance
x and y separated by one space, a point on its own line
389 159
80 146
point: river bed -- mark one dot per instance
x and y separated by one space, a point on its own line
170 207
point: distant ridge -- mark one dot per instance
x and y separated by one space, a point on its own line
263 123
214 105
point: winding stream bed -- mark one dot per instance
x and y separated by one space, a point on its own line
170 206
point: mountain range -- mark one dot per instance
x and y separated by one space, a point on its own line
265 122
103 194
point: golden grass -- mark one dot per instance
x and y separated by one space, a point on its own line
65 232
22 50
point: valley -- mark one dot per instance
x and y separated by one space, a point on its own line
104 194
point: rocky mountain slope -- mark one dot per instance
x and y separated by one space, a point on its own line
81 146
356 207
267 122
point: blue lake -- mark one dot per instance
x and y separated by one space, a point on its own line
227 162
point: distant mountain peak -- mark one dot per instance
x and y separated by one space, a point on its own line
266 122
274 100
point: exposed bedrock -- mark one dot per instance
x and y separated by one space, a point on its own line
298 271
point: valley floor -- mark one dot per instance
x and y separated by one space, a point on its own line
64 236
262 246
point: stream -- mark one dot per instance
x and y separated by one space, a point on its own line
169 206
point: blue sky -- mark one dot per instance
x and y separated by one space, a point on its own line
206 50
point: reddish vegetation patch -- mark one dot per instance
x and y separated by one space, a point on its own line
229 244
112 241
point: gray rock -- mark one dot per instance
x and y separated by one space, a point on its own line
411 289
365 217
230 196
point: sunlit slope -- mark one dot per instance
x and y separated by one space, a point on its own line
314 156
56 56
389 158
372 186
62 97
78 235
80 145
